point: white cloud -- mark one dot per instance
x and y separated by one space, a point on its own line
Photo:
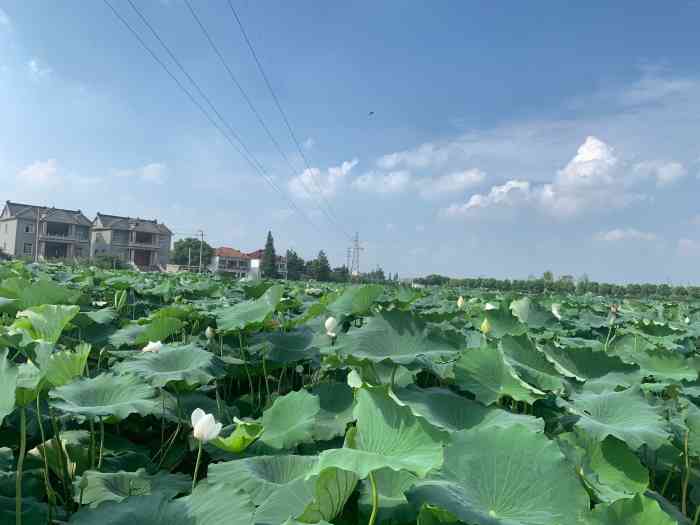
4 18
594 179
155 173
625 234
452 182
37 70
392 182
512 193
39 174
424 156
312 181
309 143
689 247
665 173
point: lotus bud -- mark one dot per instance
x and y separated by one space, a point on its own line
205 426
485 326
460 302
299 369
331 324
210 333
556 310
152 346
489 306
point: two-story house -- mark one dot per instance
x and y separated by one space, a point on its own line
140 242
231 262
37 233
256 261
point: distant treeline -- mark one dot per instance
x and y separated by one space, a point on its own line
566 284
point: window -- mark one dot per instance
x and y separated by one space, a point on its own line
28 248
5 227
29 228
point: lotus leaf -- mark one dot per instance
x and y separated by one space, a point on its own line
639 510
106 395
290 420
242 315
45 322
8 384
491 477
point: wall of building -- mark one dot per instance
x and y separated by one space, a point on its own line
164 251
8 233
25 237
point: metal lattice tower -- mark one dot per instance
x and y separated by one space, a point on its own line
356 249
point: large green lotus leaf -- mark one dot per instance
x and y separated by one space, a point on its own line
531 364
532 314
134 334
355 300
45 322
583 362
174 363
102 316
46 292
609 468
33 512
248 313
99 487
219 504
492 477
445 409
290 420
8 384
626 415
288 346
155 509
503 322
9 306
639 510
240 439
662 364
485 372
337 402
692 424
262 476
319 498
391 489
386 435
106 395
60 368
395 336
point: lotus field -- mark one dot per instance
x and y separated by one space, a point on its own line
144 399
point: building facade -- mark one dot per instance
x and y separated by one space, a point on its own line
38 233
140 242
256 262
230 261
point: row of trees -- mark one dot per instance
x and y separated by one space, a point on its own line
566 284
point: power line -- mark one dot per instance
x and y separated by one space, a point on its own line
242 150
284 115
261 120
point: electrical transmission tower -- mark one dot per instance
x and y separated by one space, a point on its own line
356 249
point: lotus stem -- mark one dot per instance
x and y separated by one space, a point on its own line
196 466
697 515
668 479
686 477
245 363
93 455
62 461
20 464
375 500
47 481
267 386
393 376
102 443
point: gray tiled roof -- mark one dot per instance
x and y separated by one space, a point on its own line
117 222
74 216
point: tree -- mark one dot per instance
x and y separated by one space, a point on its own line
322 268
183 248
295 266
340 274
268 265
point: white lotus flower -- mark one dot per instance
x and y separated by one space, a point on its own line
152 346
99 304
460 302
489 306
299 369
556 310
210 332
331 324
205 426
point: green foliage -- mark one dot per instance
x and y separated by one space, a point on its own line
186 251
268 264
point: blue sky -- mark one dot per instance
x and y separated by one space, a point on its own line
507 139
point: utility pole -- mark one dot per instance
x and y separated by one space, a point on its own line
348 256
189 258
201 246
356 248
